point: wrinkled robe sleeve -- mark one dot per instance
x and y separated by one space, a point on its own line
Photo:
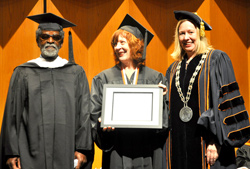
165 113
102 139
228 119
243 156
83 126
12 116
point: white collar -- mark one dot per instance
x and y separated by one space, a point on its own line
58 62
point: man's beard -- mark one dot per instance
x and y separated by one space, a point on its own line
51 53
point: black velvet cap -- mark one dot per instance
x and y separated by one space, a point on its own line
131 25
49 21
179 15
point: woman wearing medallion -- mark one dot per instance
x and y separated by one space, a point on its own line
207 114
123 147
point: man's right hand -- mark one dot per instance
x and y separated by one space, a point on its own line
14 163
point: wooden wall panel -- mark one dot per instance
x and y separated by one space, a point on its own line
248 46
230 29
145 12
100 51
158 17
2 96
96 21
15 39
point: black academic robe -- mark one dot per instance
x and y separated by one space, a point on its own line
243 156
46 117
128 148
219 114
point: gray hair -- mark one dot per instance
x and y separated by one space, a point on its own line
39 32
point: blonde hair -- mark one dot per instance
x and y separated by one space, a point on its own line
136 46
202 42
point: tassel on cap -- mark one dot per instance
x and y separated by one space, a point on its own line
202 27
145 45
71 54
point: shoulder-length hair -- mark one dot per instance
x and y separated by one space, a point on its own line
202 42
136 47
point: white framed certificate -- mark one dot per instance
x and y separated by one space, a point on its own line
132 106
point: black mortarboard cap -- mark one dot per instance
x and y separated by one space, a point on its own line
131 25
50 21
179 15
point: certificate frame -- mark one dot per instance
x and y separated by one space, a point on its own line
132 106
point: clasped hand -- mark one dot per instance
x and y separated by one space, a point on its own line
14 163
212 153
82 159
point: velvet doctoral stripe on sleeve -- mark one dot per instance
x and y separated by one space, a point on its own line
226 116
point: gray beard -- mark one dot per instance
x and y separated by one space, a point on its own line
49 53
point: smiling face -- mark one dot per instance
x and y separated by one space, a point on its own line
122 50
49 43
188 35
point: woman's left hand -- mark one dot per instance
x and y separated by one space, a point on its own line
108 129
212 153
165 90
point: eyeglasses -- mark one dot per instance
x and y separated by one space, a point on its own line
47 36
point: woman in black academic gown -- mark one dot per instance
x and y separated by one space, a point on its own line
207 114
122 147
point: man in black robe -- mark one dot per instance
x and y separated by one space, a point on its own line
46 120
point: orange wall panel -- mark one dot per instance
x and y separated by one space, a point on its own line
2 96
248 45
16 35
230 30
